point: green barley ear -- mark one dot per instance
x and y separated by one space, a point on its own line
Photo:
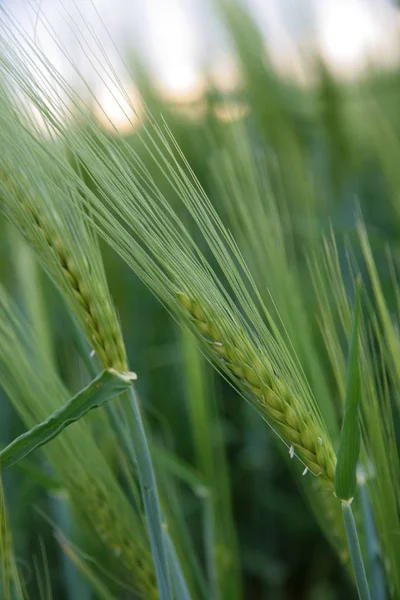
211 290
37 199
350 437
253 373
239 336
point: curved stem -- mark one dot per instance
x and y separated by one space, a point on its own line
355 552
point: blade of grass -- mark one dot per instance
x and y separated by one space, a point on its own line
74 583
120 425
173 471
95 583
105 387
10 584
181 470
350 437
378 358
178 580
137 443
349 450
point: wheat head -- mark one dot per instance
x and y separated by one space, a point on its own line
270 393
88 297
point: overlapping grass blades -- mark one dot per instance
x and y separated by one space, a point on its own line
39 202
219 293
75 457
349 450
221 304
378 369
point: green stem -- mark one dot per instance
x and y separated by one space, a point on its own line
355 552
122 430
151 504
375 568
209 546
130 444
91 367
178 579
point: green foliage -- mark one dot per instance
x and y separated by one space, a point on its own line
93 488
238 230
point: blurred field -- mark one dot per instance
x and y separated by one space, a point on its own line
320 155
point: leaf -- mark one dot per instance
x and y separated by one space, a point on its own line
350 436
105 387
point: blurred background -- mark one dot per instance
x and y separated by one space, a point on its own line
315 85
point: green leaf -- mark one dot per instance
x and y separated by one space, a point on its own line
350 436
105 387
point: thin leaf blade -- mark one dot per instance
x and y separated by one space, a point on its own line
103 388
350 437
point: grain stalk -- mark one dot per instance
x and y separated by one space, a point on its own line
94 311
254 373
133 215
106 340
249 367
36 197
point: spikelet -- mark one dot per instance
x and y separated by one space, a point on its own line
253 373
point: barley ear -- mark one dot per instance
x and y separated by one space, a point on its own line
251 371
69 252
